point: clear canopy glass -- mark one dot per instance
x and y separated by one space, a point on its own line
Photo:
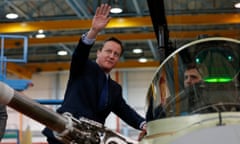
217 60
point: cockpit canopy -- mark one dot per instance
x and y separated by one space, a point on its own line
199 77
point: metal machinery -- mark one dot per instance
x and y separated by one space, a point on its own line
67 129
206 112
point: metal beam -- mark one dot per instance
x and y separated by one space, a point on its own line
128 22
18 10
125 37
153 50
59 66
82 8
136 6
74 8
19 71
66 48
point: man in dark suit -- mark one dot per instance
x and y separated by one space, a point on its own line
87 80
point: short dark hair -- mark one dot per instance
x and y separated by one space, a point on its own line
191 66
115 40
198 67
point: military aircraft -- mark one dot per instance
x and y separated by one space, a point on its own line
207 111
204 111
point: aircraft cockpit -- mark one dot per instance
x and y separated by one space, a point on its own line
194 96
200 77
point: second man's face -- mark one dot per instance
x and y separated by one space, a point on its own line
191 77
108 57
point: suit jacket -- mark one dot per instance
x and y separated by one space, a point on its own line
84 88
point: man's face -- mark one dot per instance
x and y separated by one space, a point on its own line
191 77
109 55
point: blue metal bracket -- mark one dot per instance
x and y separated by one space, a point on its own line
17 84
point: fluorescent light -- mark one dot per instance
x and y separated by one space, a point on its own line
62 52
142 60
11 15
40 35
237 5
116 10
137 51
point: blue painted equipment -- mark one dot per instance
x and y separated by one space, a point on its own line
49 102
16 84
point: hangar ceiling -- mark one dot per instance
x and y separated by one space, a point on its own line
63 21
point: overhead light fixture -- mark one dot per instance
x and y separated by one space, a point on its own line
11 16
142 60
40 34
116 10
62 53
115 7
137 51
237 5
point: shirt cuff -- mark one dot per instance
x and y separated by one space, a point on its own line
86 40
142 125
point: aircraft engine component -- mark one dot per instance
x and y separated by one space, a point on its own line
67 129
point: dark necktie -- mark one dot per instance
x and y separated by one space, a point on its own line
104 95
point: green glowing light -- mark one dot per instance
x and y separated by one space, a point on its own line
218 79
197 60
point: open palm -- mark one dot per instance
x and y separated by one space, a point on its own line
101 18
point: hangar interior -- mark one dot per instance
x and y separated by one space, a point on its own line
51 26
